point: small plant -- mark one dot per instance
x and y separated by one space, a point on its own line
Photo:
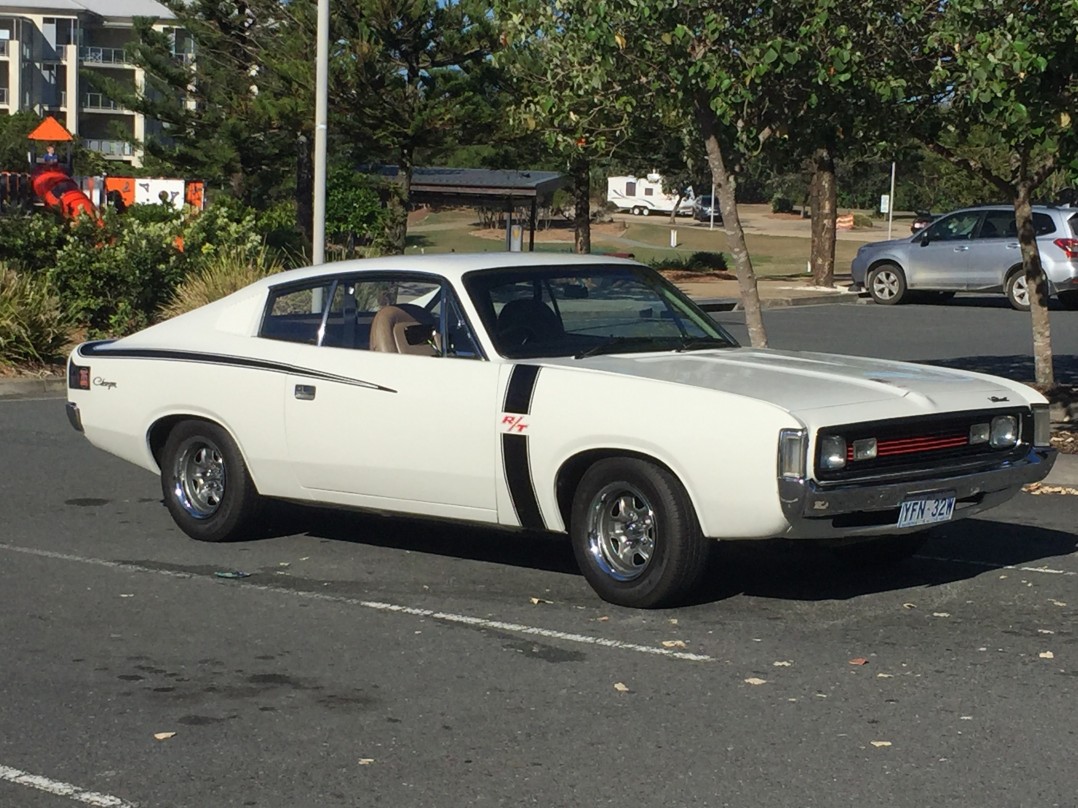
862 220
35 327
227 271
781 204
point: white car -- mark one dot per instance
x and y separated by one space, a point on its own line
548 393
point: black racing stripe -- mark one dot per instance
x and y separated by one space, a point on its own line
101 349
518 393
518 477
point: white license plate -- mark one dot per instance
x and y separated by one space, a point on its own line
926 511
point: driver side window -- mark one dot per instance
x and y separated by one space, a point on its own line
957 227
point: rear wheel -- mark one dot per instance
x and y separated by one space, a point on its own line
887 284
1017 290
635 534
638 211
205 483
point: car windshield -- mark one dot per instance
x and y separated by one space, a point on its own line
587 310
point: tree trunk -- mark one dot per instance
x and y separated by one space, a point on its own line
1037 284
305 189
824 213
726 191
580 171
397 205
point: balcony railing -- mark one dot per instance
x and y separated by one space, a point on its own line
55 100
100 101
185 58
110 148
104 56
3 46
3 96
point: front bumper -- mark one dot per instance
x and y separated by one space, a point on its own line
868 508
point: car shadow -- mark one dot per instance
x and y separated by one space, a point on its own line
800 570
779 569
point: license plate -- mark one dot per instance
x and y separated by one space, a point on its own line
926 511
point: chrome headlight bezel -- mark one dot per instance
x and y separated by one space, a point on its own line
1003 432
832 452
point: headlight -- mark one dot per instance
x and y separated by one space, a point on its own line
1004 432
832 452
792 454
1042 425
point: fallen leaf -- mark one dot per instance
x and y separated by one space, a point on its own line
885 676
965 718
537 601
1046 655
126 595
283 564
673 643
1055 602
782 663
909 605
881 743
753 680
366 761
621 687
602 619
858 661
941 614
1045 631
163 736
673 621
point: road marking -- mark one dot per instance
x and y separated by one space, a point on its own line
411 611
59 789
991 566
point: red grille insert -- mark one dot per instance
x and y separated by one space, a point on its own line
902 446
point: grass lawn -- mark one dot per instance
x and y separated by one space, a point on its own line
649 241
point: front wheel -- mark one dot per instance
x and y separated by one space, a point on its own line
205 483
1018 291
887 284
635 534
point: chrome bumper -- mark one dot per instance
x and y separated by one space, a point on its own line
74 417
871 507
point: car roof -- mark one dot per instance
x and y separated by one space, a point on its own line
1003 206
449 265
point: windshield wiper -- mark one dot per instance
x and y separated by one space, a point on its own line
701 344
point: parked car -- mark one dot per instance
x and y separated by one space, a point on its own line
973 250
702 209
922 220
578 394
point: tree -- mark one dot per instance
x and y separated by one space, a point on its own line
1009 67
411 77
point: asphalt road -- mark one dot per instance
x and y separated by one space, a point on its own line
369 661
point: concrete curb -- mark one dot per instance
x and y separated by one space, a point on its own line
1064 472
734 304
51 387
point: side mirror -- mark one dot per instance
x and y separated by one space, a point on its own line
924 239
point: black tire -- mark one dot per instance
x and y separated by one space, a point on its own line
884 551
1017 291
1068 299
205 483
887 284
637 211
664 558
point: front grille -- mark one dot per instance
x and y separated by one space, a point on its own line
922 446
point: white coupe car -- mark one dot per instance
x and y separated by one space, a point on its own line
550 393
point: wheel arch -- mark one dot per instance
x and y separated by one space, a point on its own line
157 436
573 469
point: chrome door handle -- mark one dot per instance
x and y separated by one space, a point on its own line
962 248
1013 246
305 392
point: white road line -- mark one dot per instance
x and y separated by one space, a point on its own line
411 611
22 778
991 566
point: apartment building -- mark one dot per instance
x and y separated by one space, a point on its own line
45 45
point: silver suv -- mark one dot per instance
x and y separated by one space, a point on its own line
973 250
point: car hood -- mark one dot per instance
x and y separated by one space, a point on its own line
806 382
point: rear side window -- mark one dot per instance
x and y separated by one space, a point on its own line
295 315
1043 224
1073 221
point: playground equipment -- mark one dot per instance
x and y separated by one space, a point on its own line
51 177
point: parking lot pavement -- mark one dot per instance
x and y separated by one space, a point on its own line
415 663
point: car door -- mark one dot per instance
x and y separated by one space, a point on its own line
410 429
993 250
939 259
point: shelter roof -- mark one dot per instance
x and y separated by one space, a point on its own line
50 129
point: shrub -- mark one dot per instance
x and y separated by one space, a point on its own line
228 271
35 327
30 241
781 204
697 262
862 220
117 274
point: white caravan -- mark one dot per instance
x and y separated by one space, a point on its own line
644 195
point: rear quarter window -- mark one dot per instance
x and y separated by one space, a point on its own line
1043 224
